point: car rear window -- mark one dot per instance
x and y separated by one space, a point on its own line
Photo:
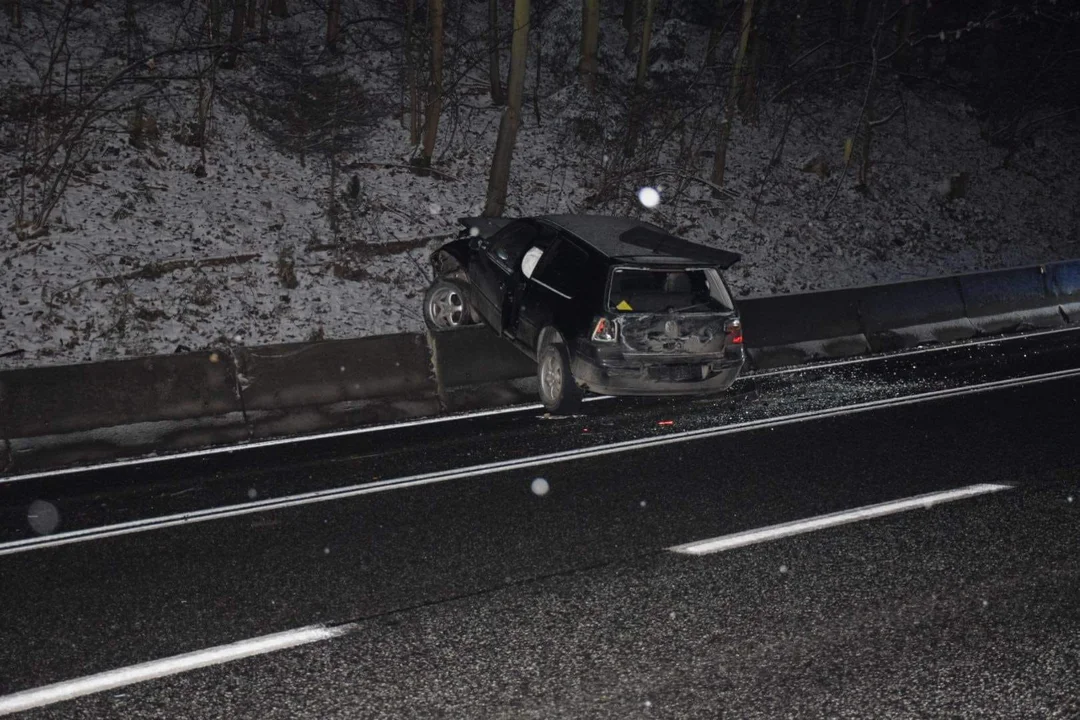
653 290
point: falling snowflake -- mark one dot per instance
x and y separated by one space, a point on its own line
43 517
649 197
540 487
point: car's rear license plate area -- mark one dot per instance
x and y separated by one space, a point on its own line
677 373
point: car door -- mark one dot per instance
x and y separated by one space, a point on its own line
493 268
553 294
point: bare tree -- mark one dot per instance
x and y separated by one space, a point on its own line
333 23
499 178
719 23
497 95
236 35
264 20
412 79
756 48
720 159
646 40
435 88
629 14
15 13
637 100
590 39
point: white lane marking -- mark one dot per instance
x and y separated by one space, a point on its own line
257 445
112 679
412 481
798 527
792 370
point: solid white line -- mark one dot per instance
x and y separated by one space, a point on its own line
204 452
412 481
798 527
71 689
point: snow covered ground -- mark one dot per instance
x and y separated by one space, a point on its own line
145 256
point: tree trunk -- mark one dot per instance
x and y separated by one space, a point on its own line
843 31
715 33
497 96
499 178
720 160
264 21
646 39
213 29
15 13
629 15
412 76
333 23
748 97
252 13
590 39
435 89
905 26
236 35
639 93
866 130
279 8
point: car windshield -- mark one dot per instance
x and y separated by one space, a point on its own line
653 290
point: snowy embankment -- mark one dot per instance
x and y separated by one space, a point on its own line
144 255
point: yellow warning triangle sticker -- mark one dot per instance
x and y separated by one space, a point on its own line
623 305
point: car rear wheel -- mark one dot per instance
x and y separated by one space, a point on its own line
558 391
446 306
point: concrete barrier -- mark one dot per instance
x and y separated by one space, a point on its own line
67 398
902 315
1009 300
474 355
792 329
334 371
81 412
1063 287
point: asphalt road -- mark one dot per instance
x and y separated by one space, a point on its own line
476 593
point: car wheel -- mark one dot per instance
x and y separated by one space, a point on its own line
446 306
558 391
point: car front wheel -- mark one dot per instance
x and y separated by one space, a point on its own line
446 306
558 391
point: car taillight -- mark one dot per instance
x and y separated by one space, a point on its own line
733 328
605 330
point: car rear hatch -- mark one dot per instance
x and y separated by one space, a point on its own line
672 314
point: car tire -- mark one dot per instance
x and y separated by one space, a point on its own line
446 306
558 391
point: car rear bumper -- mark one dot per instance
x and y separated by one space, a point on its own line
619 377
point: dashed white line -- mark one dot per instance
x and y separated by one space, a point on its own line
112 679
503 466
821 522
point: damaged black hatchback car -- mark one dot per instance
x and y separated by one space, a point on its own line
609 305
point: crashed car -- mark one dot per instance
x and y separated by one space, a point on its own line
609 305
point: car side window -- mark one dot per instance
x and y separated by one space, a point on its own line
508 246
565 269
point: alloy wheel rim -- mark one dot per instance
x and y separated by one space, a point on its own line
446 307
551 377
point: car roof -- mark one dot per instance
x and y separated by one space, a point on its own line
631 240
